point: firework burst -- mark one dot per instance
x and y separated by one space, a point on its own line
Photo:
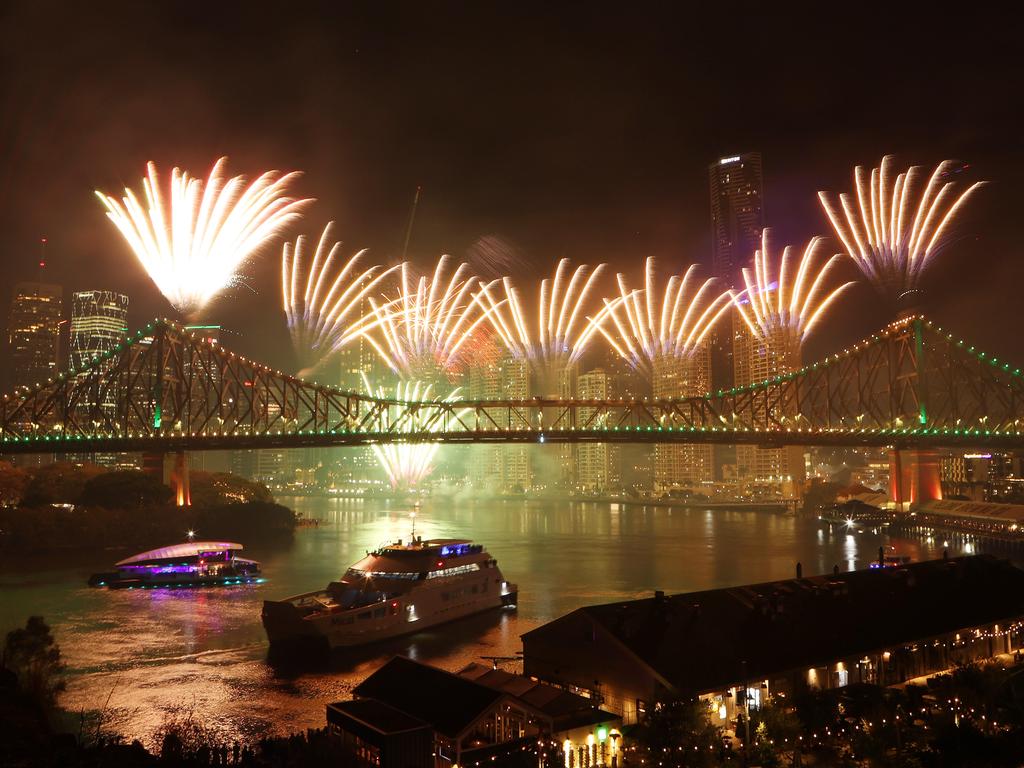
408 464
325 300
891 227
642 332
424 329
793 300
193 241
561 333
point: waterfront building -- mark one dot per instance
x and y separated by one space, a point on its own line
34 332
596 463
741 645
494 374
776 353
678 466
408 713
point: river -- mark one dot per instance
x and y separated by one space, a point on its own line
139 657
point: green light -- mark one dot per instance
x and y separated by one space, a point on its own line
602 733
157 416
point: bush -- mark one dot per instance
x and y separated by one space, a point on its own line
128 488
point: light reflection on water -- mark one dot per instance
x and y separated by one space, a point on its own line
151 652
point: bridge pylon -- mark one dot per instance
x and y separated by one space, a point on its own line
914 477
172 469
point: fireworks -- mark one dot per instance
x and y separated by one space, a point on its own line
889 232
408 464
795 300
193 242
561 333
641 332
324 304
426 326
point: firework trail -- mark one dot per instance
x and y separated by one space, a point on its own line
492 256
193 242
794 300
891 227
408 464
423 329
325 301
641 332
562 331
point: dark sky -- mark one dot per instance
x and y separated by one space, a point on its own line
582 130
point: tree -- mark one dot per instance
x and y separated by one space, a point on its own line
213 489
13 482
678 733
59 483
128 488
34 657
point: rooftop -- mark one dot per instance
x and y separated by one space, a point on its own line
701 641
447 702
188 549
375 715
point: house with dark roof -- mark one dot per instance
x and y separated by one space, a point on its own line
735 646
412 715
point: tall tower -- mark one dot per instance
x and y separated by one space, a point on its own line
737 213
99 322
736 186
34 332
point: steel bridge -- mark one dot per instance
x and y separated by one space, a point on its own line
911 385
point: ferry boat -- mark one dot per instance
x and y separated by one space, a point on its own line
398 589
192 564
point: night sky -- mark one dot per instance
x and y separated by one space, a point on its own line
582 131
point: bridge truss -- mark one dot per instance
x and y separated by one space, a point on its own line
164 389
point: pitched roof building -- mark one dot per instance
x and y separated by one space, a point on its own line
882 626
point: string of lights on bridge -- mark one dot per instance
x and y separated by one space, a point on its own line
885 333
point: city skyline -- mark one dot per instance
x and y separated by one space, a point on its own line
559 185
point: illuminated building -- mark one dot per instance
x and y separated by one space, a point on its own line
738 646
411 714
495 375
596 463
682 465
737 214
99 322
758 359
33 332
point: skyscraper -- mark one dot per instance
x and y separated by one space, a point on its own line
597 463
99 322
737 213
33 332
757 359
678 465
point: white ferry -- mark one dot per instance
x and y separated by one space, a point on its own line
397 590
191 564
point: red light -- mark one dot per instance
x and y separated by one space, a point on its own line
440 563
42 263
42 240
394 604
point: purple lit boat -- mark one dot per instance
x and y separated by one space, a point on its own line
192 564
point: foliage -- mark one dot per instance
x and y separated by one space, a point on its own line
255 520
678 733
126 488
818 494
214 489
59 483
13 483
34 657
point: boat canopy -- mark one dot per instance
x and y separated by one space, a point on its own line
188 549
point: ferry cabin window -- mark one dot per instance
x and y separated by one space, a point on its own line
458 550
353 574
454 571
